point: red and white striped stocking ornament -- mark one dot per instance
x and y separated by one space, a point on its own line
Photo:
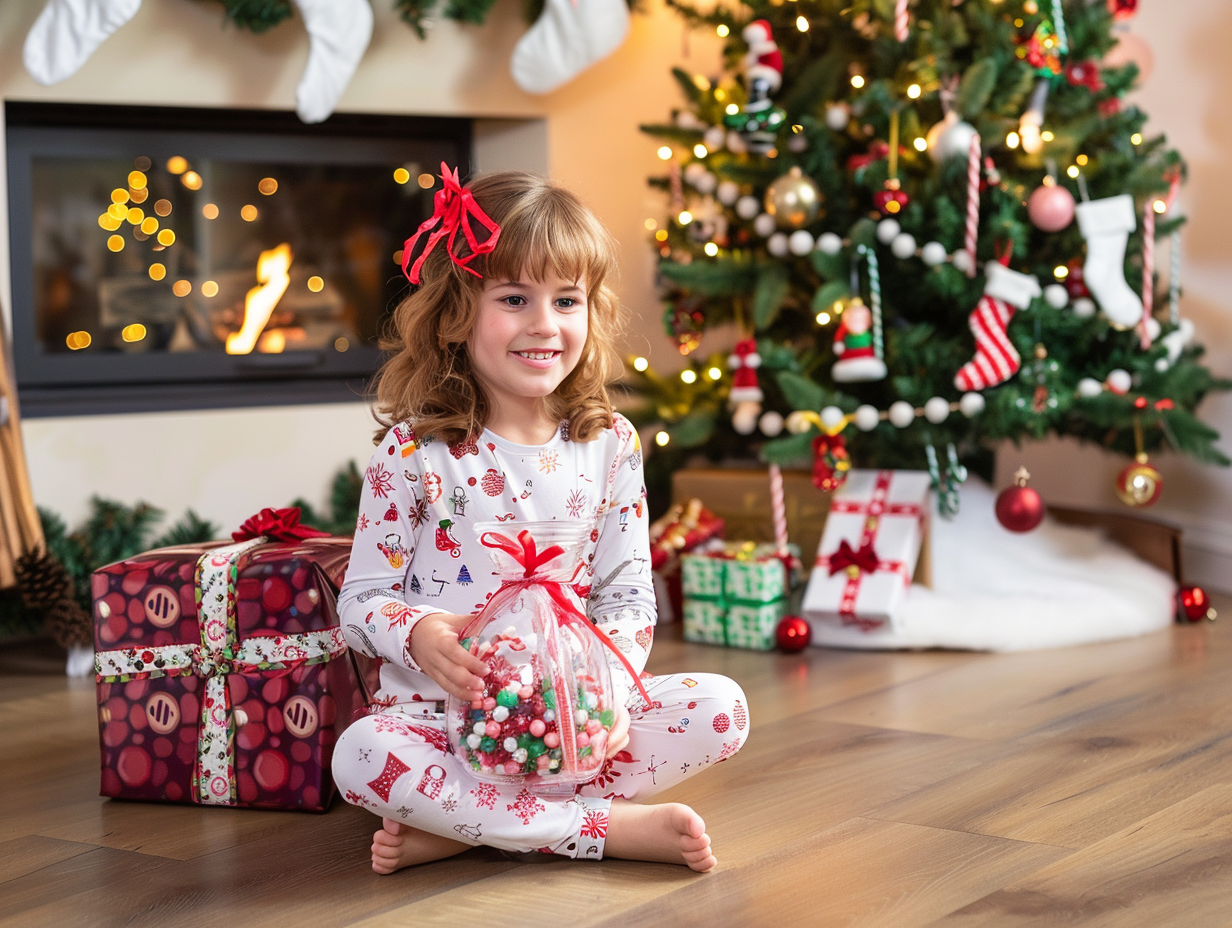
995 359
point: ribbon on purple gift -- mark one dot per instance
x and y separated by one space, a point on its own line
218 654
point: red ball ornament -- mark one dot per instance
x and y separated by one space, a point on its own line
793 633
1019 508
1139 484
1122 9
892 200
1193 605
1051 207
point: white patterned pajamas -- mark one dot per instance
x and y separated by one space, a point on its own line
400 767
417 551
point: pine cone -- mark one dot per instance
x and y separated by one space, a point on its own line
69 624
42 581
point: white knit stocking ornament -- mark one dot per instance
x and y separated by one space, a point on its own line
338 32
569 37
67 32
1106 225
995 359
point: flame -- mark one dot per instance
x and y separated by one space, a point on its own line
272 268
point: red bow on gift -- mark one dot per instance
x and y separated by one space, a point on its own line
846 556
278 524
454 208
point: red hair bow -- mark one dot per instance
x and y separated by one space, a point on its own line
454 209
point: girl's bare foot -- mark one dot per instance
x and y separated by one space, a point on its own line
671 833
397 845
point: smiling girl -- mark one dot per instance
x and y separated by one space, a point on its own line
494 406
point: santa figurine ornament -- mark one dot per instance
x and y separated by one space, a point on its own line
758 122
853 344
745 396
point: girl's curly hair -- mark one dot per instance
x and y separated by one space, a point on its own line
545 231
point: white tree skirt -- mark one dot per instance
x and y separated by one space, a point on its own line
994 590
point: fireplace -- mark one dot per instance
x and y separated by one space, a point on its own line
166 258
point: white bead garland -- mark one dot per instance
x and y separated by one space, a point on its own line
903 246
1084 307
800 242
747 207
728 192
1056 296
770 423
764 225
777 244
831 417
901 414
867 418
887 229
829 243
1089 387
934 253
937 410
971 404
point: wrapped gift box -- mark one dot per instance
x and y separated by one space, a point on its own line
737 596
740 496
223 677
870 551
685 527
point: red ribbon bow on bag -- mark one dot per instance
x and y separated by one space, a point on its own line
454 208
278 525
846 556
525 552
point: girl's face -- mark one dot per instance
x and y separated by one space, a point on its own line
528 337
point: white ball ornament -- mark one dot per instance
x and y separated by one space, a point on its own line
937 410
764 225
714 137
934 253
771 424
798 422
1089 387
800 242
962 260
829 243
706 182
971 404
747 207
736 143
797 143
887 229
1084 307
949 138
728 192
777 245
1118 381
831 417
1152 329
837 116
867 418
693 171
902 414
1161 364
1056 296
903 246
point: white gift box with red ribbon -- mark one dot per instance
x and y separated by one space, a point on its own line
874 534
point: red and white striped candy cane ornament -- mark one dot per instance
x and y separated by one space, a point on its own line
1148 271
973 201
900 20
779 508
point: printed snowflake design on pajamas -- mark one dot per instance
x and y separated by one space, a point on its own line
380 480
356 799
575 504
595 824
449 804
548 462
526 806
404 811
485 795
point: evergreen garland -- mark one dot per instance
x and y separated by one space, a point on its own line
257 15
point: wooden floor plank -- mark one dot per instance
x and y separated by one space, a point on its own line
1171 868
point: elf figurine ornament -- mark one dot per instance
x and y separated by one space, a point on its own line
853 344
760 119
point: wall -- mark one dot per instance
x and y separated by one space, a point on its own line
1186 98
226 464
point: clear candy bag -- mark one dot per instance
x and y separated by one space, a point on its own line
548 704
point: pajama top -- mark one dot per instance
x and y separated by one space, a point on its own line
416 550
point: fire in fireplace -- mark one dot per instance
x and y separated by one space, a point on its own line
176 258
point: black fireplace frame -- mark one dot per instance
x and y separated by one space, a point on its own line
51 384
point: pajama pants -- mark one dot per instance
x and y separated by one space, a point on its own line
400 766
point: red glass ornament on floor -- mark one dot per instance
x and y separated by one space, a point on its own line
1193 605
1019 508
793 633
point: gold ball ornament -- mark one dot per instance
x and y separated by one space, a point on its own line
1139 484
794 200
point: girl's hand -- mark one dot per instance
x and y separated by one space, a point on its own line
434 647
618 737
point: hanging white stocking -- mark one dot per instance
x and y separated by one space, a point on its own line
67 32
1106 225
569 37
338 32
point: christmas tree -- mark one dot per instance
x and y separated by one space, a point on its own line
933 226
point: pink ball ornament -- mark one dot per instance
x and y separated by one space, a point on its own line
1051 207
1131 49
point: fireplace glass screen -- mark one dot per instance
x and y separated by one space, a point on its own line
174 258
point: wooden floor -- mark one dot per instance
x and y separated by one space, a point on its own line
1087 786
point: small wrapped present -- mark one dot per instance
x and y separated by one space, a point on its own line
223 677
737 596
871 549
685 527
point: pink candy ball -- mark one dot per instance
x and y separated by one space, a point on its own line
537 728
489 703
552 739
583 739
512 767
526 692
1051 207
593 726
492 729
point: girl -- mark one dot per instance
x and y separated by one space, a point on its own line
496 409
